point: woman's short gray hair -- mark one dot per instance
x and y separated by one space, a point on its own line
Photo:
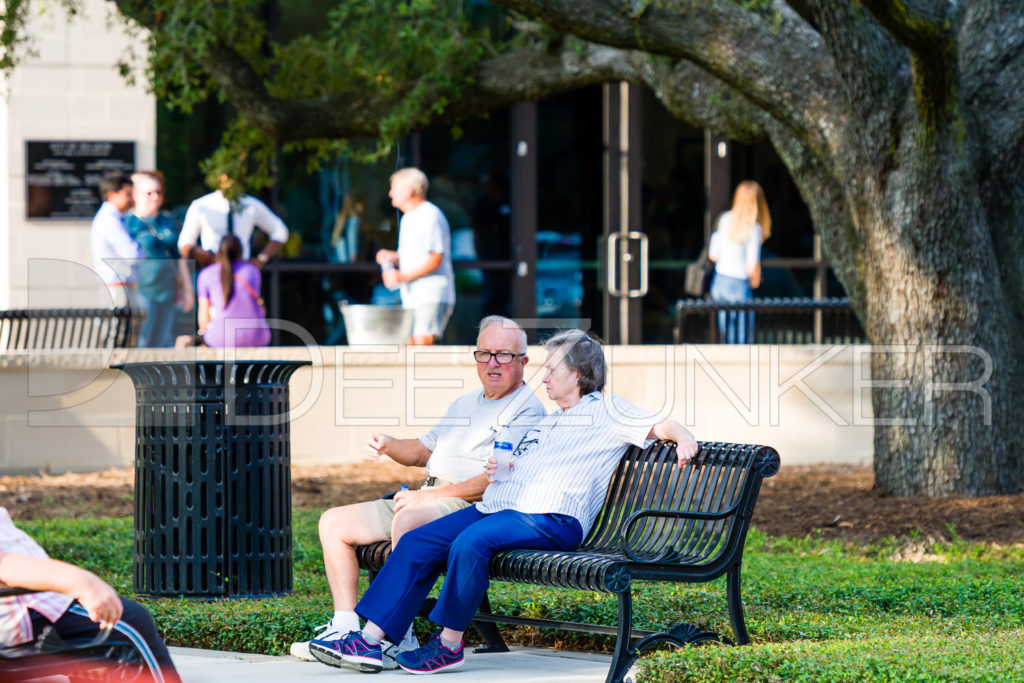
583 354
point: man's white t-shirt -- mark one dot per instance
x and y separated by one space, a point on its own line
423 231
463 440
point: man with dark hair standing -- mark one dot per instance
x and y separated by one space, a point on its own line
114 252
227 211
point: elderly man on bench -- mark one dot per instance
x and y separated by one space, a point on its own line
454 453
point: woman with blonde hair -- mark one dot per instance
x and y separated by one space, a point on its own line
350 223
735 249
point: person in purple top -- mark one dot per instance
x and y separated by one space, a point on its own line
230 308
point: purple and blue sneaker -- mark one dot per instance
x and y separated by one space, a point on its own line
432 658
351 650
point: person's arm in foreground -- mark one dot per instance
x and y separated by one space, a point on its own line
670 430
45 574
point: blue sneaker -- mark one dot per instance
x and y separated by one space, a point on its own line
432 658
350 650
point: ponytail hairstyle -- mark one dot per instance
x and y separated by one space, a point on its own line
230 251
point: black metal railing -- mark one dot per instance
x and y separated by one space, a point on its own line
66 328
776 321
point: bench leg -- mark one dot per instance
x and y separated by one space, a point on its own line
739 626
488 630
623 657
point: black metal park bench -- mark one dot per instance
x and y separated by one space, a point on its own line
65 328
776 321
659 522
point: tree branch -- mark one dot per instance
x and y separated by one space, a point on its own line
695 96
921 25
873 69
525 74
929 29
773 57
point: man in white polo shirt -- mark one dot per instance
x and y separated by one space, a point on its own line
422 266
454 453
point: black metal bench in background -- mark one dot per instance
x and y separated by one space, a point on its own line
66 328
659 522
776 321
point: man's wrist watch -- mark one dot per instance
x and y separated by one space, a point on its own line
262 257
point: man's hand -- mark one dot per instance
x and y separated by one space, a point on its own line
98 599
377 445
410 499
391 278
387 257
203 257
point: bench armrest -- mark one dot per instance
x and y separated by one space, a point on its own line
627 526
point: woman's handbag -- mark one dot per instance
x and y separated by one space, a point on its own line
698 276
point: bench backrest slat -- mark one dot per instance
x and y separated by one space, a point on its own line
723 477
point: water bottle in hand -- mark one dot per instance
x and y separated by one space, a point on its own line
503 456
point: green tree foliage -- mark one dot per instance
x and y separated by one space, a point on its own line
416 55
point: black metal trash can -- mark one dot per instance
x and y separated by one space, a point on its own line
212 478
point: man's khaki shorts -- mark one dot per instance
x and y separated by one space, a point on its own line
444 506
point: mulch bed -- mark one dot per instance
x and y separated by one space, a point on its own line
833 501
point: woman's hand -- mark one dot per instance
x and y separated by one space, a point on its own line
686 449
491 466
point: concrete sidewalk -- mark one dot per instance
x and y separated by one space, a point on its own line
520 665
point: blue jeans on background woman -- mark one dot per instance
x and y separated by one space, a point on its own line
734 327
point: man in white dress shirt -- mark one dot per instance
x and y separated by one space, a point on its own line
114 252
214 215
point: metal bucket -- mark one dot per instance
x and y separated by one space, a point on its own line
370 324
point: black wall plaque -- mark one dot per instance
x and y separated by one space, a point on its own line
62 177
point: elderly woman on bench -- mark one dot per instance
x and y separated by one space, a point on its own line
558 482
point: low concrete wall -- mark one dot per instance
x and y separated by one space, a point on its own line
68 411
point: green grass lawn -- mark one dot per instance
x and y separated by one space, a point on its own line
816 610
